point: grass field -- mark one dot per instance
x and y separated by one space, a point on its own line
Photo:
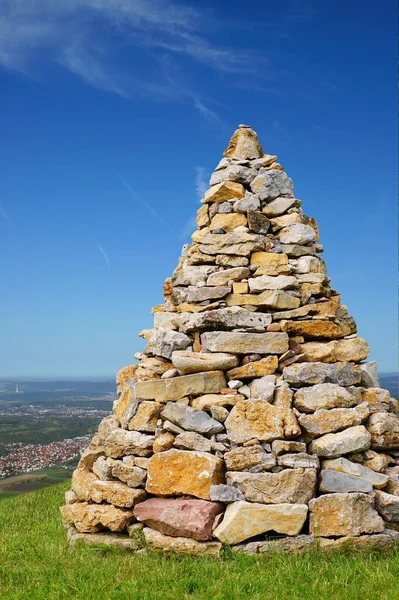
35 563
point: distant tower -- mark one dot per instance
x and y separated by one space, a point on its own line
16 389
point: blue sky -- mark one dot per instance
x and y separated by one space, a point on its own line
115 112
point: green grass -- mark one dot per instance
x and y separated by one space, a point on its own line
35 563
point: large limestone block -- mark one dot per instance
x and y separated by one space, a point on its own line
228 222
226 190
266 282
225 319
369 374
344 515
330 421
336 482
126 405
166 320
124 375
294 486
343 465
272 184
175 388
116 493
237 243
180 545
199 362
313 329
243 520
163 342
208 400
201 294
179 472
298 234
323 395
233 172
340 373
146 416
191 419
257 368
384 429
81 482
76 539
245 343
260 420
192 275
247 458
378 400
120 442
351 350
388 506
223 277
353 439
186 518
279 206
95 517
268 258
244 144
276 299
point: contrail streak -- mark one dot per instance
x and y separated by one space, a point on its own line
139 200
101 249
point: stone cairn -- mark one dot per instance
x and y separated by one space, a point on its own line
251 419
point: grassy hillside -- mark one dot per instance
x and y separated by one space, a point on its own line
35 563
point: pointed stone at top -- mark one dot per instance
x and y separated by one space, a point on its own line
244 144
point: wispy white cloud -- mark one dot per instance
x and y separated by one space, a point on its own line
141 202
201 183
90 38
101 249
4 215
301 11
328 130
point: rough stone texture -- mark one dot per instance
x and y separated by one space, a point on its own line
266 282
196 384
335 481
340 373
354 350
223 277
272 184
120 442
244 144
312 329
115 493
246 459
197 362
384 430
243 520
298 460
335 515
287 447
263 387
369 374
225 319
189 440
195 275
258 368
377 399
353 439
268 299
228 222
191 419
133 476
163 442
186 518
329 421
162 342
298 234
290 485
225 493
224 191
177 472
262 421
89 518
238 243
323 395
182 545
145 418
121 542
387 505
208 400
245 343
207 293
343 465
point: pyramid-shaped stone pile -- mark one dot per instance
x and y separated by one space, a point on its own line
251 416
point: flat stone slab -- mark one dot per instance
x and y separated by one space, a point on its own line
181 545
175 388
245 343
295 486
243 520
179 518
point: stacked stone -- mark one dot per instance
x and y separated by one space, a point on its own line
251 413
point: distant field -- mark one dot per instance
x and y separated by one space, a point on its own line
44 430
29 482
36 564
